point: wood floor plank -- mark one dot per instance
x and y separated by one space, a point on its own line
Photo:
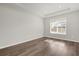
44 46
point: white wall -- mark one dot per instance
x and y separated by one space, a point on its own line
72 27
18 26
73 20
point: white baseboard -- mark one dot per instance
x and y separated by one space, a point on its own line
64 39
33 38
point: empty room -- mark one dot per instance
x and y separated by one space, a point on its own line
39 29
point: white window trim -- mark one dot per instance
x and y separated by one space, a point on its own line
57 33
57 30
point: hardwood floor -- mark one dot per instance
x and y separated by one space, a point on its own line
43 47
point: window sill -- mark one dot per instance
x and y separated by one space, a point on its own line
58 33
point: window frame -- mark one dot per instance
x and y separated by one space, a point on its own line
64 33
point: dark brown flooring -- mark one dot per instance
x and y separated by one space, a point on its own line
43 47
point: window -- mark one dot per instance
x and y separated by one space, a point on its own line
58 26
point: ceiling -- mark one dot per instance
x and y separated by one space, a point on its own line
45 9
